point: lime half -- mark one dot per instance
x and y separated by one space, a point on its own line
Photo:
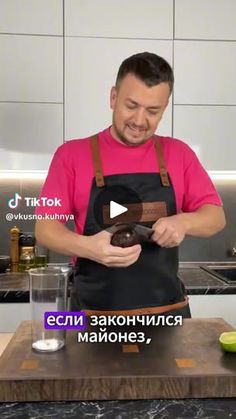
228 341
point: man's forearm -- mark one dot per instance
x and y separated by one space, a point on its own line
206 221
57 237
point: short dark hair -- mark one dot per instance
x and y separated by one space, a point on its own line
148 67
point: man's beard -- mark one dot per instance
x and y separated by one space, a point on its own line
124 140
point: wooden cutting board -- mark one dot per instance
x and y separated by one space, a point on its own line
180 362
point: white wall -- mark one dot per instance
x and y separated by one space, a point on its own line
60 58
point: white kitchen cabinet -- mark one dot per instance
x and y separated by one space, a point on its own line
12 314
122 19
212 144
214 306
31 17
201 77
205 19
29 134
31 69
31 100
66 54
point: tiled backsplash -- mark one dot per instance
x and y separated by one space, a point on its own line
216 248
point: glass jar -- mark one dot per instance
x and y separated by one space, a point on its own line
27 258
27 252
41 256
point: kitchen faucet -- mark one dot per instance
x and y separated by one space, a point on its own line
234 250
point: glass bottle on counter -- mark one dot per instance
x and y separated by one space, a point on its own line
41 256
27 252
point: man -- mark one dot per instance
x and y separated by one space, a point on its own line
163 172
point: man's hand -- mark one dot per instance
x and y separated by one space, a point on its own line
204 222
99 249
169 231
96 247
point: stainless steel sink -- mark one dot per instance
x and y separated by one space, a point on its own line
226 272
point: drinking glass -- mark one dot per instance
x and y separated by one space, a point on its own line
48 292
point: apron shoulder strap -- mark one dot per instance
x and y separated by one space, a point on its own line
160 158
97 164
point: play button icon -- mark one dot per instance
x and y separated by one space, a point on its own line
116 204
120 203
116 209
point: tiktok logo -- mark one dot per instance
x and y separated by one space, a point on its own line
14 202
